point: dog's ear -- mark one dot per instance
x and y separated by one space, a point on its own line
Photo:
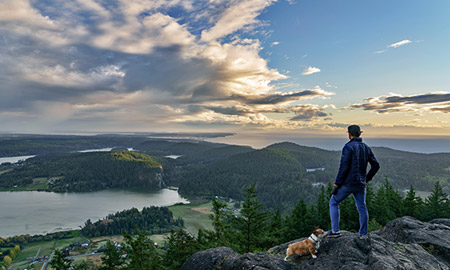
315 228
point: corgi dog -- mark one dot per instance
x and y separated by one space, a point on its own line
308 245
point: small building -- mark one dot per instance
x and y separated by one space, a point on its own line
315 169
319 184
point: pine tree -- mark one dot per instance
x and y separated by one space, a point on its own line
322 215
59 261
395 201
382 211
82 266
276 230
180 246
300 221
437 204
252 223
412 204
113 257
220 236
349 217
141 252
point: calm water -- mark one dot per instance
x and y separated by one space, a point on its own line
13 159
32 212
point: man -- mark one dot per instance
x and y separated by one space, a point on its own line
352 179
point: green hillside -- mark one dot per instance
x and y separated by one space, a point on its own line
281 178
85 172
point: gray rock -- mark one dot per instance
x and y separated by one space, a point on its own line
405 243
258 261
208 259
433 236
226 259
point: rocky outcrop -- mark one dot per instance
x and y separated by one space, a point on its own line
433 236
225 258
405 243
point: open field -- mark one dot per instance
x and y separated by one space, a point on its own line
195 216
46 248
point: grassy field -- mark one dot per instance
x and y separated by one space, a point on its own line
195 216
40 183
46 248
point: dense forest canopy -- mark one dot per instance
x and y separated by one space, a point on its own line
152 219
87 171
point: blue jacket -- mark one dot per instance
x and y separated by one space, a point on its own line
353 168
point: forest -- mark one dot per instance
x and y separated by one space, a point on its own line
69 172
282 167
154 220
257 228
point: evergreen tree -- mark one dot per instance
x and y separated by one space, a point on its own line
437 204
276 230
220 236
412 204
382 211
395 201
141 252
59 260
180 246
322 213
349 217
113 257
300 221
82 266
252 223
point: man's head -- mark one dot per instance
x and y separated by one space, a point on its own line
354 131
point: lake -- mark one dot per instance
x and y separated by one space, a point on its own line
33 212
14 159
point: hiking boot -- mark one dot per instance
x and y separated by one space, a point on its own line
363 237
332 234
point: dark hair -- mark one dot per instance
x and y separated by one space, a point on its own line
354 130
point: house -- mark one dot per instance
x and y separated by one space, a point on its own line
315 169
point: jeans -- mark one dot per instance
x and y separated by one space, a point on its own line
359 195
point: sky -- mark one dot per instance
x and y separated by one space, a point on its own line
290 67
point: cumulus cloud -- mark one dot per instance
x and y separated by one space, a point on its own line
427 102
235 17
109 64
310 70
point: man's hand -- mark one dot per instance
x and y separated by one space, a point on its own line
336 186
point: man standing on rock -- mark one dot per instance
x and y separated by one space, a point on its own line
352 179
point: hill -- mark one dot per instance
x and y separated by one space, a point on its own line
283 167
86 171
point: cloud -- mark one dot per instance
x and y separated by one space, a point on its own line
278 98
235 17
310 70
427 102
396 45
99 65
307 112
400 43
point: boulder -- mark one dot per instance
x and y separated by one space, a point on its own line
224 258
433 236
405 243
